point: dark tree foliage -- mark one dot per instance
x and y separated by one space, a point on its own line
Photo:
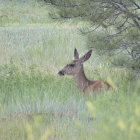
119 21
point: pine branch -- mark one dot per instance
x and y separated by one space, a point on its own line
66 6
138 7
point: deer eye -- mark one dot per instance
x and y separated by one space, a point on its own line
72 65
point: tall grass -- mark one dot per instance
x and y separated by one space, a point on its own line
35 103
23 12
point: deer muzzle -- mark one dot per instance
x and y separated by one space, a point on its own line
61 73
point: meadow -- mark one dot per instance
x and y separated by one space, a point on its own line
36 103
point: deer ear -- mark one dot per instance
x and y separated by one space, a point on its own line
86 56
76 55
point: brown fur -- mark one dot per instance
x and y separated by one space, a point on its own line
76 69
96 85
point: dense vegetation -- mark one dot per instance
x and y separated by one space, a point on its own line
35 103
119 21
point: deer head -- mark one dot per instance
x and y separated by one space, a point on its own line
76 65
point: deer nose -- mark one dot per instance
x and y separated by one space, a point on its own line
61 73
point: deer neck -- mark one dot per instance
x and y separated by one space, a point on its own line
81 80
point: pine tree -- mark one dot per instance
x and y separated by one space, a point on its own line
119 21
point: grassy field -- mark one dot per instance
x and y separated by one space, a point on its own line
37 104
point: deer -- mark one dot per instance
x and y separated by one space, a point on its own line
76 69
